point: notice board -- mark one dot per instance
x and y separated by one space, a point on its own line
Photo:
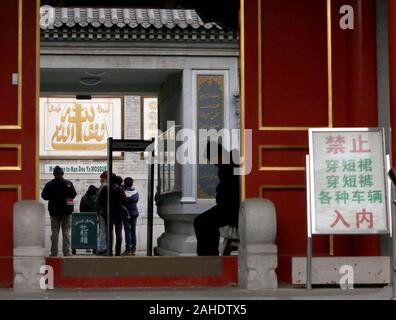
348 181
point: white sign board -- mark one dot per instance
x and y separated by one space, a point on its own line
96 168
348 181
78 128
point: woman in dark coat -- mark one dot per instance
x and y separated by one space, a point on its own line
118 201
88 201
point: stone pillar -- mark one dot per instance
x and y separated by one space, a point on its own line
257 258
354 57
29 251
179 237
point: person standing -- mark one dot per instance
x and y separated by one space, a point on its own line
118 202
130 217
60 194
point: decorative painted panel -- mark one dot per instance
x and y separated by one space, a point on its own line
210 115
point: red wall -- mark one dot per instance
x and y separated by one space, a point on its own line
392 73
16 183
294 96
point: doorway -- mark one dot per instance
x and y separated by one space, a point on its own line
73 135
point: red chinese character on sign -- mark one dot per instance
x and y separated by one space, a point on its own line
364 216
358 145
340 218
336 144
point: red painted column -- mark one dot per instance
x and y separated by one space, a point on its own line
392 74
18 119
354 66
355 92
362 63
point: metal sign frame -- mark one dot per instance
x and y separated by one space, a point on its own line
312 181
390 216
129 145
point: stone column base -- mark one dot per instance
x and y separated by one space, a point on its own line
257 250
257 264
176 245
179 236
27 264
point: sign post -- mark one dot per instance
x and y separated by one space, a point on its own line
309 232
109 174
150 204
347 184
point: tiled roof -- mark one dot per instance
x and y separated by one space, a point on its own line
65 34
134 18
98 24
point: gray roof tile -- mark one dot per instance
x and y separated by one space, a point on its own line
132 17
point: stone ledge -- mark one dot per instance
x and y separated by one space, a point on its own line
326 270
144 272
158 251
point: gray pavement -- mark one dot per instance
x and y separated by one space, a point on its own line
202 294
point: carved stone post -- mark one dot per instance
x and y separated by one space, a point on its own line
257 250
29 246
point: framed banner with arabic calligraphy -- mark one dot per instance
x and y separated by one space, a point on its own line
71 128
149 119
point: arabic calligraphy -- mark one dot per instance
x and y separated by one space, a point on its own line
79 126
150 120
210 105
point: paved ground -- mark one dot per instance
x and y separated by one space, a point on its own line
384 293
203 294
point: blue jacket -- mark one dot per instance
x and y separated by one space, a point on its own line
132 198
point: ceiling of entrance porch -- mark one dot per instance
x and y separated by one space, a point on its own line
106 81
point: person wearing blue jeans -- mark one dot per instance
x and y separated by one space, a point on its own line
130 217
130 236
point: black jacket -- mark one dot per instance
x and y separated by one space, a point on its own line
57 191
228 194
118 201
88 201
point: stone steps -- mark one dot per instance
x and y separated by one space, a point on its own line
133 272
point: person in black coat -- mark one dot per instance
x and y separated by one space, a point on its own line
60 194
226 210
118 201
88 201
